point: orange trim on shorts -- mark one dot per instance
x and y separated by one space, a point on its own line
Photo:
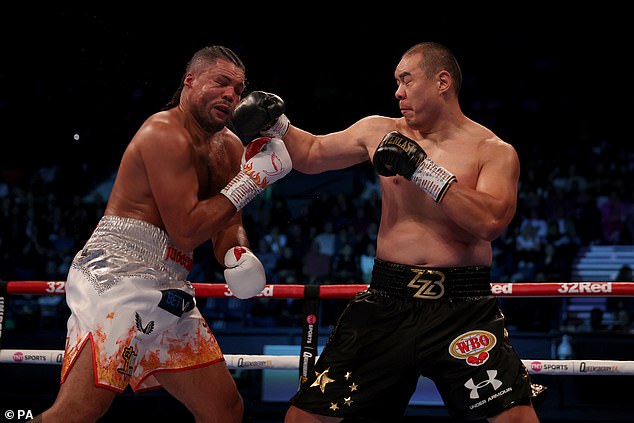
135 388
67 368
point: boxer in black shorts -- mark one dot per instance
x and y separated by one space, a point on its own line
442 323
449 187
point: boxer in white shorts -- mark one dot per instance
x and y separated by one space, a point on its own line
182 181
129 298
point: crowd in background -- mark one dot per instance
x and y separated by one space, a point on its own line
47 213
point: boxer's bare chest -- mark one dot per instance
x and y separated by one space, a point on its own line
213 168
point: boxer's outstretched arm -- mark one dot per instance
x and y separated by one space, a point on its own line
263 113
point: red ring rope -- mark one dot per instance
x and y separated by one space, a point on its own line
504 289
501 289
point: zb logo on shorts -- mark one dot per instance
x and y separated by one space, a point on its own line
176 301
426 288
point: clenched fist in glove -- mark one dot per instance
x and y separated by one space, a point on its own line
244 272
399 155
264 161
260 113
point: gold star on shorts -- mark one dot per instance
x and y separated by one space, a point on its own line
322 380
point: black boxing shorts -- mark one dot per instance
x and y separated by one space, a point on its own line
442 323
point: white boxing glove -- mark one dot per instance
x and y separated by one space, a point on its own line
244 273
264 161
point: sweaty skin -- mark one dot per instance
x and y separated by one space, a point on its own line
179 159
414 229
170 175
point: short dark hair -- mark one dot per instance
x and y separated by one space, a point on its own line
437 57
206 55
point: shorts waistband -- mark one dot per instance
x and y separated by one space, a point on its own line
143 241
430 283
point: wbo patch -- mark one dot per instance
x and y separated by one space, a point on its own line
176 302
473 347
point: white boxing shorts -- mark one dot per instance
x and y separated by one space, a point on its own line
128 295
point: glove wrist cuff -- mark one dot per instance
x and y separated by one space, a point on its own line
241 190
278 129
433 179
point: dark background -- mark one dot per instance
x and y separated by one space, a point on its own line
539 79
550 83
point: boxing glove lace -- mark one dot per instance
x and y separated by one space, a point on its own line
397 154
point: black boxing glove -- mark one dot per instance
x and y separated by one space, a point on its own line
260 113
397 154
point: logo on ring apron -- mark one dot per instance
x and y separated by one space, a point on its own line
473 346
176 301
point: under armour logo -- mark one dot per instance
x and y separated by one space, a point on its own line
139 325
474 388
